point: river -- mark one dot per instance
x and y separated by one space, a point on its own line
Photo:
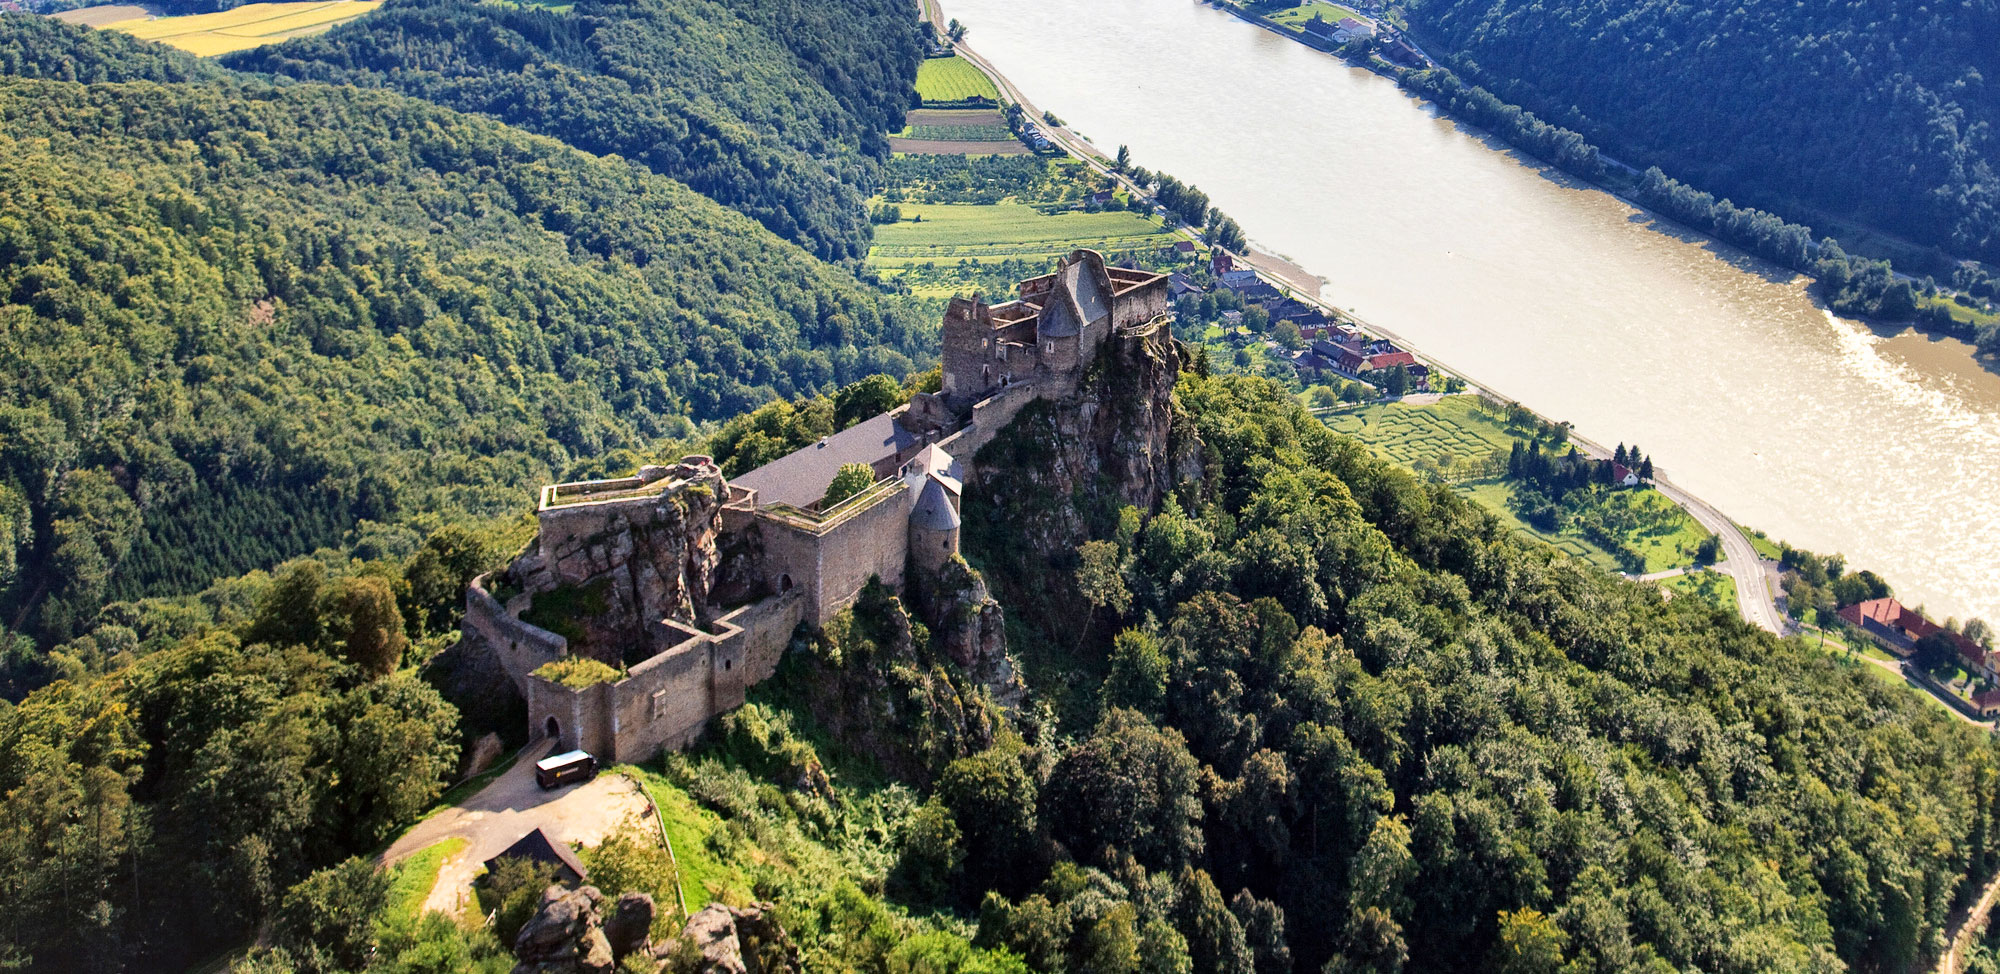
1820 431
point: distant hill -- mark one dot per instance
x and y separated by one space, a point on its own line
1881 113
775 108
238 318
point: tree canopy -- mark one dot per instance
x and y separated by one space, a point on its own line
1875 112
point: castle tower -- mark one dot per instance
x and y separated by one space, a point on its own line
934 526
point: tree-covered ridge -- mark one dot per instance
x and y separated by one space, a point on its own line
777 109
41 47
1349 700
1880 112
239 317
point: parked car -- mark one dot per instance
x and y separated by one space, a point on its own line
558 770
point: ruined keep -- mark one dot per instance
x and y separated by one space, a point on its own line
690 585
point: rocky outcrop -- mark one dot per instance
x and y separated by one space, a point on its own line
565 936
571 933
600 573
1115 442
630 926
741 940
878 682
971 629
1062 462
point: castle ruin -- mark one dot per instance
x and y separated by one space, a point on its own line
690 584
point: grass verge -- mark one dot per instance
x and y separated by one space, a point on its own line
705 876
411 880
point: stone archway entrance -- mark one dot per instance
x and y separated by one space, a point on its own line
551 729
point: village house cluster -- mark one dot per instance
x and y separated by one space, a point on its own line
690 584
1334 348
1897 628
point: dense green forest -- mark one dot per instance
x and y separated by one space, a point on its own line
1325 717
1881 113
776 108
240 318
1354 698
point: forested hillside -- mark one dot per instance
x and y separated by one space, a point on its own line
1326 714
779 109
1883 113
238 318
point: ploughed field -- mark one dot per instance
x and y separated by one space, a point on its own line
956 132
251 25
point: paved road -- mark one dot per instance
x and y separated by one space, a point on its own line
512 806
1963 931
1753 591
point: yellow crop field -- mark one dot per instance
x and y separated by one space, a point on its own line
251 25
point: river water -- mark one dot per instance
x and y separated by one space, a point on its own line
1821 431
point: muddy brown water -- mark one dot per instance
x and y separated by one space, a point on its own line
1880 444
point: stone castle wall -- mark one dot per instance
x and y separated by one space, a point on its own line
666 701
660 560
518 646
833 563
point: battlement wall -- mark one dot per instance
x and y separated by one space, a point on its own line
989 417
833 559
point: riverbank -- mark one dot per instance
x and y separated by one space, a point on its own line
1871 293
1755 600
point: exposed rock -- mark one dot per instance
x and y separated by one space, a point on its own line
622 566
878 684
630 925
565 936
972 629
741 940
1064 462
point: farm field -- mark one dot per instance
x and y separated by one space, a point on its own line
252 25
947 80
1297 16
956 132
932 232
1496 497
102 14
1455 439
1406 434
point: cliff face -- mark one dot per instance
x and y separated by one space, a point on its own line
602 574
884 685
1063 462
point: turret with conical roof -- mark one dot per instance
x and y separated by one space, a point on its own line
934 524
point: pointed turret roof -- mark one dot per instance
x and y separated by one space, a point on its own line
934 510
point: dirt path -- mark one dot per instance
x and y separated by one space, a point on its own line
511 807
1964 930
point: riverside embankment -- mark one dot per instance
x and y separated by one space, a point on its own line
1885 447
